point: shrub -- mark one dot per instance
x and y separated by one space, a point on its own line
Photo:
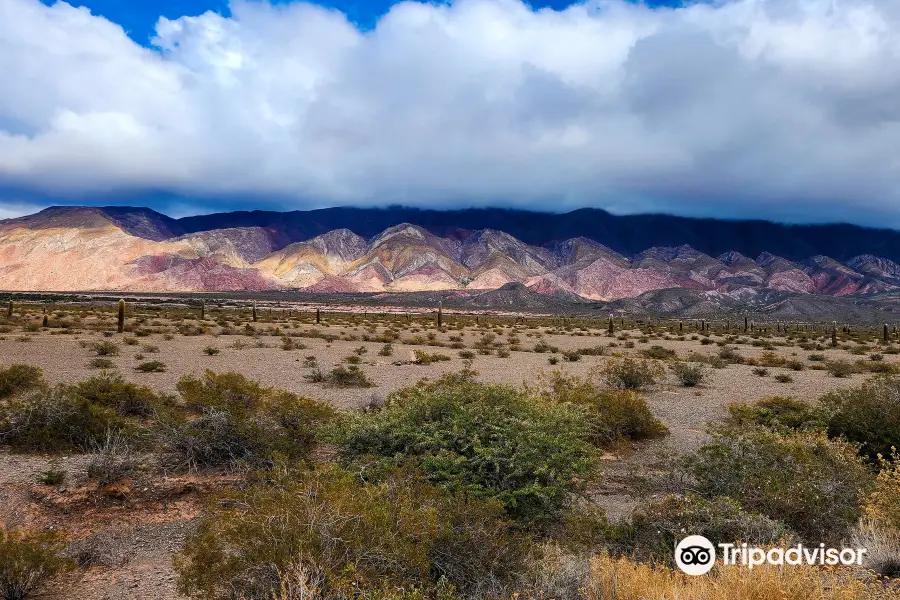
812 483
101 363
111 460
761 371
152 366
730 355
386 350
52 477
426 358
345 537
658 353
770 359
489 441
795 365
840 368
657 526
883 505
689 374
882 544
630 373
612 415
777 412
817 357
868 415
27 562
127 399
783 378
343 377
55 420
211 351
238 423
571 356
19 378
106 348
466 354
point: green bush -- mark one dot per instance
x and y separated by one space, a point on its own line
659 353
27 562
151 366
127 399
55 420
657 526
349 540
840 368
106 348
489 441
689 374
631 374
777 412
238 422
612 415
427 358
19 378
868 415
812 483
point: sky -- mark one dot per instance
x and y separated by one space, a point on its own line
779 109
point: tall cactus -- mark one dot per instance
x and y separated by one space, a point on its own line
9 310
318 315
203 310
440 316
254 313
121 327
746 324
834 333
885 336
612 326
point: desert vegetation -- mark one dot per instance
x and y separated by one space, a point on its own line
265 452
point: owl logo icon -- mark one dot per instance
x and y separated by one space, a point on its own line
695 555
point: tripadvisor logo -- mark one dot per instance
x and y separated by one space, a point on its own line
696 555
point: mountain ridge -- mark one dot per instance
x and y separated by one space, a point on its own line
140 249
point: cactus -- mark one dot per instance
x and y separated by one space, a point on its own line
440 314
680 326
318 315
9 310
121 327
612 327
203 310
47 321
834 333
746 324
885 334
254 313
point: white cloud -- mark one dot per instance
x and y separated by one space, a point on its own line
745 107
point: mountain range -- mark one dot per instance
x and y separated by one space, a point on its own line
586 254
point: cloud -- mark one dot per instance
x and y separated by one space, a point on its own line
768 108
